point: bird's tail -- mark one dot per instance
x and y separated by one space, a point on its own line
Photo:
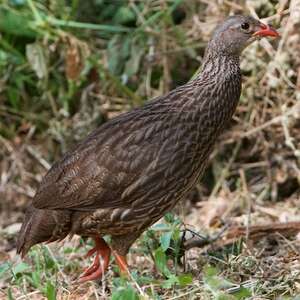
37 227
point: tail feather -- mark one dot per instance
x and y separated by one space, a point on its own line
38 227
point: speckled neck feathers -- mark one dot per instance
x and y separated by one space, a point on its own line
208 102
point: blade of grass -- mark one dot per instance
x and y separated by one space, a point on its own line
35 12
26 115
74 24
153 19
8 47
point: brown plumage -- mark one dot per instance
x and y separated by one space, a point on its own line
129 172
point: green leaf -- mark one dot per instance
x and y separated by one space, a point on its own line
68 250
185 279
212 281
124 15
165 240
177 235
36 279
3 268
161 262
15 24
14 97
169 217
49 262
160 227
170 282
125 293
243 293
37 60
10 295
3 57
18 2
132 65
209 271
50 291
223 296
20 268
118 51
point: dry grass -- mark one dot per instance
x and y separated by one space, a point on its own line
253 177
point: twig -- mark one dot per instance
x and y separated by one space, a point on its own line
199 241
294 110
255 233
29 294
38 157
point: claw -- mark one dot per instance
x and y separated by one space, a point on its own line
101 262
97 269
93 268
91 252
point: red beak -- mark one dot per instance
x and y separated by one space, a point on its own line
266 30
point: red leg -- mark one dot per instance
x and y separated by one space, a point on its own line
122 263
97 269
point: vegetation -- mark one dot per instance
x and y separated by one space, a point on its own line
66 66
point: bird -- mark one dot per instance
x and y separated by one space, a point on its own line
127 173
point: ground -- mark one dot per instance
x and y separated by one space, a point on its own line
67 67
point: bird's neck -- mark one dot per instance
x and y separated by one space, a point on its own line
217 90
220 79
218 66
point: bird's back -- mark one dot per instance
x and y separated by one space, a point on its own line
138 165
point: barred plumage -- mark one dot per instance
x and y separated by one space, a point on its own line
126 174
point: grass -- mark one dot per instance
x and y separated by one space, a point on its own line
236 273
68 66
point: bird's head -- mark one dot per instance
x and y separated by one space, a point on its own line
237 32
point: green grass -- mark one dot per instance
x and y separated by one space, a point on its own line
233 273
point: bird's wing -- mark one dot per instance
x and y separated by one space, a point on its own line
108 166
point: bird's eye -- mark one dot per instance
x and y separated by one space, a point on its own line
245 26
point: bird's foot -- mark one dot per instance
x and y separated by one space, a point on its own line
122 264
101 261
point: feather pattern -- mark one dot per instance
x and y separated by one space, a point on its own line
130 171
151 156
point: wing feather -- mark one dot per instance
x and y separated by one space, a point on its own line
120 164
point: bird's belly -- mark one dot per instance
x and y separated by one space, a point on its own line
121 220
